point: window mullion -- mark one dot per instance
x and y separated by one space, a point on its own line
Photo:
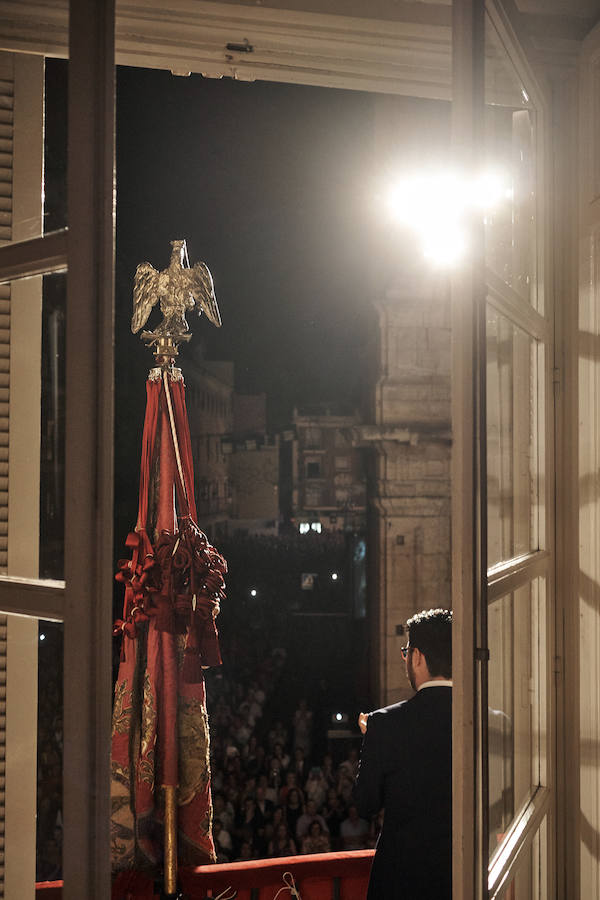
89 441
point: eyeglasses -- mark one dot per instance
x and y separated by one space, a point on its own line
404 651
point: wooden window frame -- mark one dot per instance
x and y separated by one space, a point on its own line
473 585
84 600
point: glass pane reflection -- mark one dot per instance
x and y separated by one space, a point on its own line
530 881
517 733
510 149
514 389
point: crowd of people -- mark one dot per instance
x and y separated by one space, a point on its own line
276 789
272 794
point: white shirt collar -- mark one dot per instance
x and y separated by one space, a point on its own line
439 682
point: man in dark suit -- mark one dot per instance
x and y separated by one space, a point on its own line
406 768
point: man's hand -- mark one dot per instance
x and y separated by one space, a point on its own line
362 722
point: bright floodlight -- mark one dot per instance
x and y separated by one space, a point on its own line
334 576
444 248
253 592
433 205
338 717
42 637
417 199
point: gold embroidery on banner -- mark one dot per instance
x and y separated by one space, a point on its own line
194 766
121 712
121 821
148 735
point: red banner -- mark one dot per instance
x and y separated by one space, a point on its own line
174 583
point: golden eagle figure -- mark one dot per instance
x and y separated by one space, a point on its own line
178 288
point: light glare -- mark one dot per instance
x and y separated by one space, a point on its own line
434 206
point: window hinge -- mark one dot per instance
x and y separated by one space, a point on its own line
482 654
556 377
558 665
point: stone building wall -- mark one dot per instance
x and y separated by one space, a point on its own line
409 491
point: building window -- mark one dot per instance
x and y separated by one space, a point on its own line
313 496
312 437
313 468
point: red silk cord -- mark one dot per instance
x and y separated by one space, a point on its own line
175 578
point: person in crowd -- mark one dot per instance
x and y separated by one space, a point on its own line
303 728
282 844
264 806
269 790
354 831
334 814
222 840
309 816
293 809
291 781
316 786
249 820
406 768
246 852
350 765
223 810
281 756
299 765
316 841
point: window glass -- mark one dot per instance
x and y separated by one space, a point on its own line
52 450
511 173
313 469
514 390
530 881
49 752
516 719
32 377
55 144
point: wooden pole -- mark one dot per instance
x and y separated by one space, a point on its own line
170 879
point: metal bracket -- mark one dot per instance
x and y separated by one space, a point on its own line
482 654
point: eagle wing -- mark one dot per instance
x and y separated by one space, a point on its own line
145 294
202 289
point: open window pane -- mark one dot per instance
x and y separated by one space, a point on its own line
510 157
516 711
514 391
32 443
530 880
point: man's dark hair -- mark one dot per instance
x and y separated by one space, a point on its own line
431 632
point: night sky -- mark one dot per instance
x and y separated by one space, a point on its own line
272 185
267 184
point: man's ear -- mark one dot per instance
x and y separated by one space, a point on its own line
420 658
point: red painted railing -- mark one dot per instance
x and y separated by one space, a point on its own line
322 876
